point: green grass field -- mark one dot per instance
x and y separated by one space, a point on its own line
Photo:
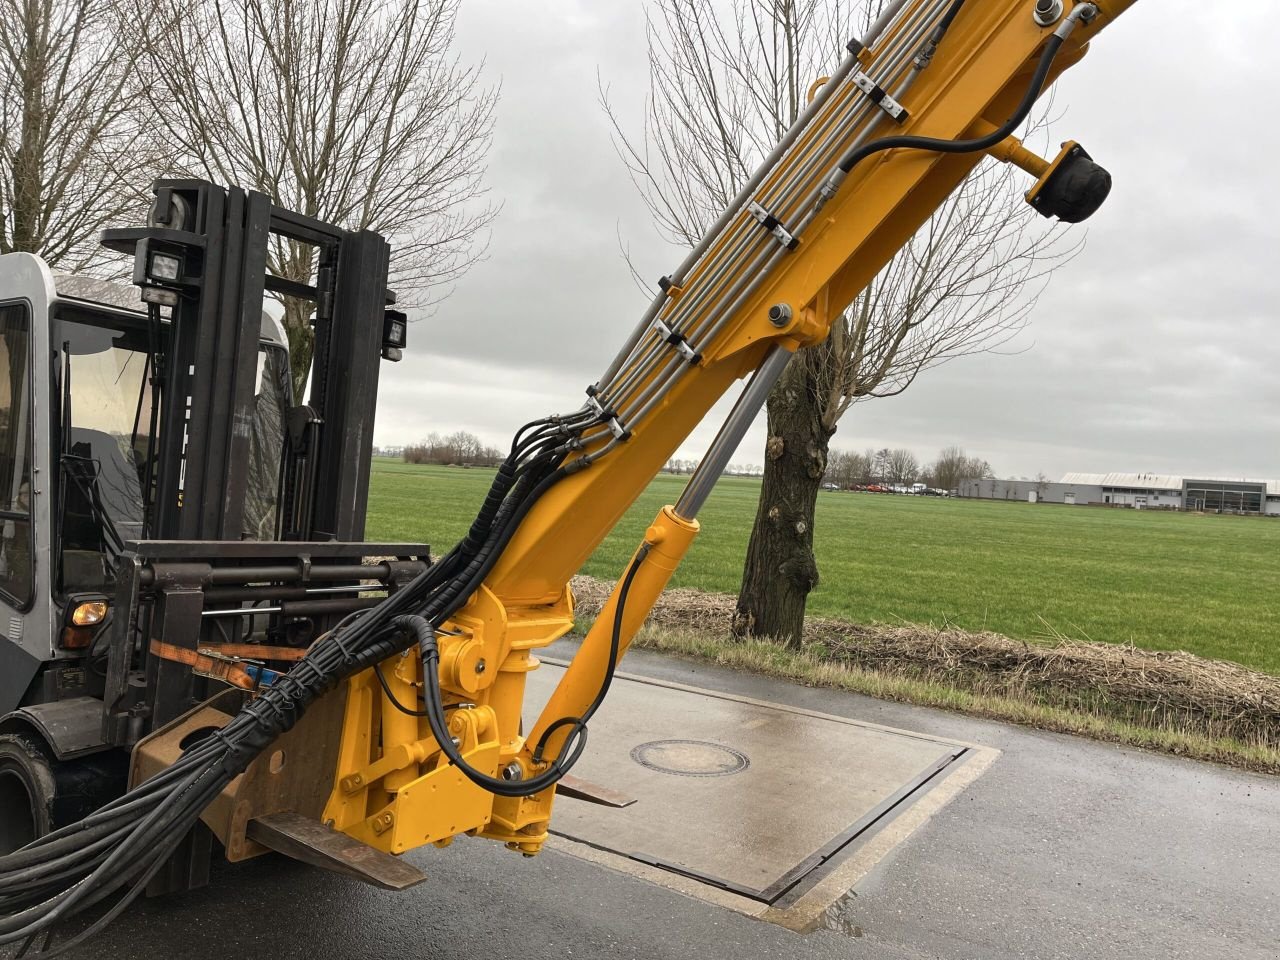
1209 585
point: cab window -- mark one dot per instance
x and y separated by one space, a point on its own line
16 571
105 411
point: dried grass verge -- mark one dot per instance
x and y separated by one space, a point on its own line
1173 702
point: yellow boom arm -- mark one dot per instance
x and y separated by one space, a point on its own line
844 190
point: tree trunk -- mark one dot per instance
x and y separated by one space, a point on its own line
302 339
298 264
780 569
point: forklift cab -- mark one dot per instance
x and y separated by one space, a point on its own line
76 423
175 526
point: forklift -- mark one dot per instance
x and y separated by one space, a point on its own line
207 604
174 521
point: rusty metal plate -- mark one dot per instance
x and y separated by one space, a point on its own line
294 774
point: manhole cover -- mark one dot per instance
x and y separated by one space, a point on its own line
690 758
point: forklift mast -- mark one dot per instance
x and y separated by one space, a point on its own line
204 256
213 542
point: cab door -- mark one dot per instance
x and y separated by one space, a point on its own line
26 636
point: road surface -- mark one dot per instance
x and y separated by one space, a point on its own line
1064 848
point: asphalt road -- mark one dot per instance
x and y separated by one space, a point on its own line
1063 849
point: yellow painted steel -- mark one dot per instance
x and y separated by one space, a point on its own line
1011 150
883 202
393 790
665 544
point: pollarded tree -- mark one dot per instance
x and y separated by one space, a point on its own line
726 81
357 112
75 153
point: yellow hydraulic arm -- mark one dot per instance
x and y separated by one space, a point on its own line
934 87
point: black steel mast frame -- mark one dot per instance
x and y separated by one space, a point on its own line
204 257
221 237
193 582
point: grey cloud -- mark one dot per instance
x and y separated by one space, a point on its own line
1155 349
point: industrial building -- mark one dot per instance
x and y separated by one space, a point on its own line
1141 491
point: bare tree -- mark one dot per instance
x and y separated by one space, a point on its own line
837 467
904 468
880 464
848 469
75 155
352 111
954 466
725 83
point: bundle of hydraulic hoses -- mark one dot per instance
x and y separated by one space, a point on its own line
108 858
115 851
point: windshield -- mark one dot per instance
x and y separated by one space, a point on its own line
101 372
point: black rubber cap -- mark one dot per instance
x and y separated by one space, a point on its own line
1075 190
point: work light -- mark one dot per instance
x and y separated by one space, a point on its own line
395 334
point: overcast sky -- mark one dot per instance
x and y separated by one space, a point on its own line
1156 349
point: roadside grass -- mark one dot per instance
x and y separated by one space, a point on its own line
1162 581
1170 702
808 666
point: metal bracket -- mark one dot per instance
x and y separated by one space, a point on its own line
294 774
880 97
616 427
678 341
774 226
670 287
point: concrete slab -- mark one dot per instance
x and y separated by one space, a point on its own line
754 801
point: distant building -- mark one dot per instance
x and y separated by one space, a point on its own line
1141 491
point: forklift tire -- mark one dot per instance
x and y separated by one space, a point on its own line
27 790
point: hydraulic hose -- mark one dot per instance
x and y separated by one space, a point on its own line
118 848
575 743
1082 12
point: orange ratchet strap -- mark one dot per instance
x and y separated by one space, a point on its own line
228 662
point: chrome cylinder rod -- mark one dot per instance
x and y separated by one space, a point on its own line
735 428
